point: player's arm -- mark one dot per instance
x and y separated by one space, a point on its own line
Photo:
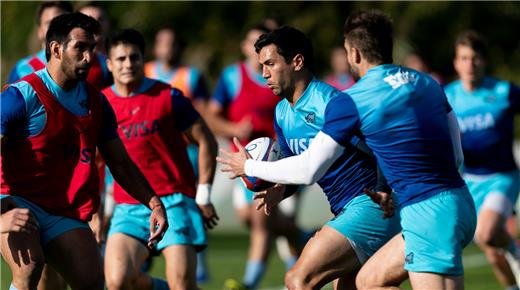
188 120
217 122
128 175
341 120
453 126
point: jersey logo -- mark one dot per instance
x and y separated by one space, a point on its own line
476 122
311 118
141 129
399 79
135 110
297 146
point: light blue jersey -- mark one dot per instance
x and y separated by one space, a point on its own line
402 116
297 126
486 123
355 215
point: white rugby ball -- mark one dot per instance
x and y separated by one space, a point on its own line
261 149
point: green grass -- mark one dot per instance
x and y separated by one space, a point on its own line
228 252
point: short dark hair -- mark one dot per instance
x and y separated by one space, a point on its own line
66 6
372 33
289 42
95 4
62 25
127 36
472 39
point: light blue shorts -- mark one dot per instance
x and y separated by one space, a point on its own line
362 222
193 155
186 226
436 230
506 184
51 226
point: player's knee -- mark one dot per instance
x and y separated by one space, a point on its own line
485 237
182 283
494 256
116 280
295 279
363 281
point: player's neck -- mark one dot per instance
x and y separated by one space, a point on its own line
365 66
471 85
59 77
126 90
300 86
168 65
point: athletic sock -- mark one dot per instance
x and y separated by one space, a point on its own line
202 268
159 284
11 287
254 272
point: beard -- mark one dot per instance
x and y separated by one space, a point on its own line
354 72
74 71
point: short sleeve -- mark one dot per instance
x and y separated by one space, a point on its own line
341 119
184 113
221 94
12 111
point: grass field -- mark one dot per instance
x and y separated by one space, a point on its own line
227 255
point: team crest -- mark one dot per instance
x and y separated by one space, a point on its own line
311 118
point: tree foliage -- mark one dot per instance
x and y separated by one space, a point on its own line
213 30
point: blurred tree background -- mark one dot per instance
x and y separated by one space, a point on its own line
212 31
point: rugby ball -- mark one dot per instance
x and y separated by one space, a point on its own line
262 149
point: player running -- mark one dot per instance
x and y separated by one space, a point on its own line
51 123
358 229
151 117
485 108
402 116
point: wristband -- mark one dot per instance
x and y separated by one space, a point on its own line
203 197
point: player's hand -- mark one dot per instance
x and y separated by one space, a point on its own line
209 214
270 198
385 201
18 220
234 162
97 227
158 224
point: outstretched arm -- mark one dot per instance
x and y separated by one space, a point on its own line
305 168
